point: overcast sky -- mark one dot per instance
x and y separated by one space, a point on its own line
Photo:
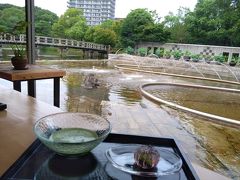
123 7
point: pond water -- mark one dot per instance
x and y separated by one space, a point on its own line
220 103
215 146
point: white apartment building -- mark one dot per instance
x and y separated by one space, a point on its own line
95 11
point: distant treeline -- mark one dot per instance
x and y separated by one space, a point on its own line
213 22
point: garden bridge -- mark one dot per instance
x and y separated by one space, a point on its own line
88 48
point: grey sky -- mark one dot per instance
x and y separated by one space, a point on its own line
123 7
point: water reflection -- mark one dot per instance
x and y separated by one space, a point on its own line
65 168
80 99
125 95
218 146
117 174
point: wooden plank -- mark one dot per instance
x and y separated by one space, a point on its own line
33 72
16 124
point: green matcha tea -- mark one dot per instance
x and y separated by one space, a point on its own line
73 135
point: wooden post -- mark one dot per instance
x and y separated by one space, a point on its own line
91 54
61 52
30 34
83 54
37 50
1 55
30 30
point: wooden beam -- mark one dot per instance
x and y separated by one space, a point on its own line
30 30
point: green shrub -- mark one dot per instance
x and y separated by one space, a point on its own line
177 54
196 57
219 58
129 50
187 53
159 52
235 59
142 51
167 54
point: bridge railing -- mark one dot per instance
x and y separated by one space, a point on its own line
6 38
59 42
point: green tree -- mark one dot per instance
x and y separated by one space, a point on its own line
105 36
142 26
215 22
114 25
13 18
155 33
105 33
133 25
72 24
89 35
9 18
175 24
77 31
44 20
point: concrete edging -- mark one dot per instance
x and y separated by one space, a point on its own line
174 75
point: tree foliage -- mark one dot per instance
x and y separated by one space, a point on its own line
89 34
105 36
13 18
133 26
115 26
44 20
215 22
102 35
175 24
72 24
10 17
141 25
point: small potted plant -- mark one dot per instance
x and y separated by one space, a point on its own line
187 56
142 51
219 59
19 60
159 52
167 54
233 61
129 50
196 57
208 59
177 55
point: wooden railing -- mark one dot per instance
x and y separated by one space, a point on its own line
50 41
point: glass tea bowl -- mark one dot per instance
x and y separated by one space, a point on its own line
72 133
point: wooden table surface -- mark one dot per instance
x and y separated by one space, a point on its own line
33 72
16 128
16 124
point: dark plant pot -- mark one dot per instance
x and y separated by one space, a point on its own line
195 60
186 58
208 61
19 63
232 63
168 57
